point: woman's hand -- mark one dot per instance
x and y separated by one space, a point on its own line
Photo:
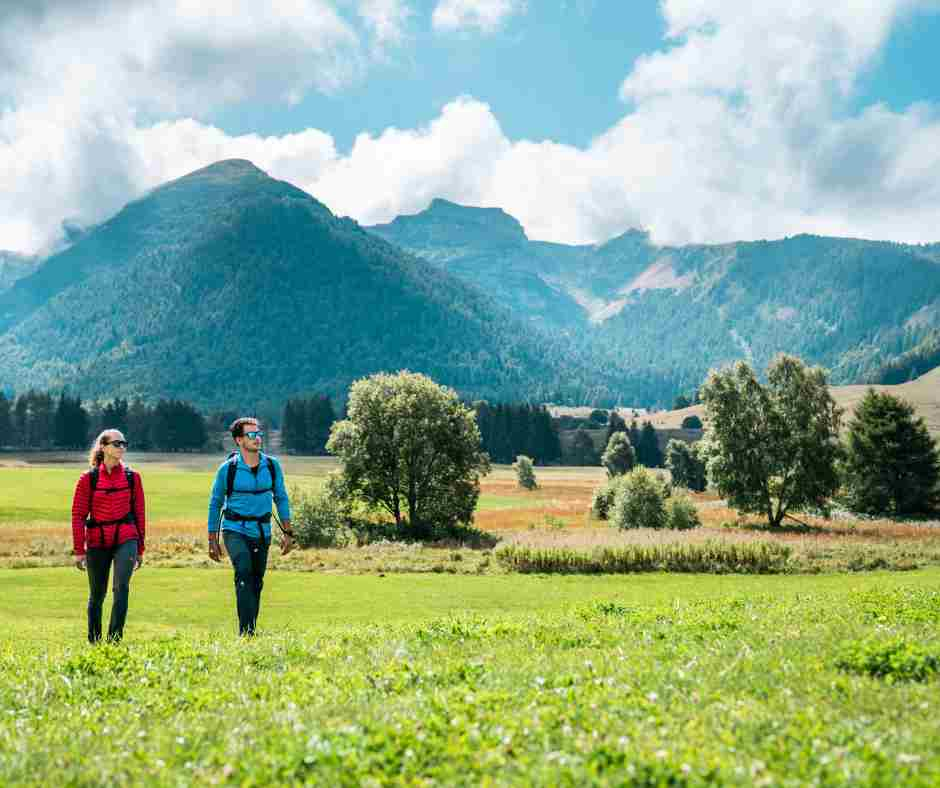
140 562
80 563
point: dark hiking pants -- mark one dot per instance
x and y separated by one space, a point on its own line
98 564
249 559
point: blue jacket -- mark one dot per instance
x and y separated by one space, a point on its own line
244 501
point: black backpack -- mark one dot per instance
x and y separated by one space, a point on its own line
130 517
233 468
228 514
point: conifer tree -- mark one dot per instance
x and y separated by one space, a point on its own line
6 421
891 464
648 451
615 424
582 449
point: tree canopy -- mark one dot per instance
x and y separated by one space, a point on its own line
619 456
891 464
772 448
686 465
410 447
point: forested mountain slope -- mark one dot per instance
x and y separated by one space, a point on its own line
228 287
669 314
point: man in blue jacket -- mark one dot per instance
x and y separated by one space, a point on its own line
248 483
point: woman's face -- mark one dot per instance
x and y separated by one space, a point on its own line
113 445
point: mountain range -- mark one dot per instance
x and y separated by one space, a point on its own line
229 288
671 313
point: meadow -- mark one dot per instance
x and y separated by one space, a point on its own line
436 664
455 680
35 500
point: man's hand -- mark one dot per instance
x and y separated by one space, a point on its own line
80 563
287 544
287 538
215 550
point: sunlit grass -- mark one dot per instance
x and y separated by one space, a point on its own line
501 680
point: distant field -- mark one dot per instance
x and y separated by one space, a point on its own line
35 500
36 489
923 394
437 680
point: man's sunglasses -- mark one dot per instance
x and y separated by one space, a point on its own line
117 444
255 434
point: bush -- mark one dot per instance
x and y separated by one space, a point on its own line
692 422
604 496
681 514
320 520
525 473
619 456
892 660
640 502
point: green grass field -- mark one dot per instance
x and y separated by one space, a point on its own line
366 673
176 487
453 680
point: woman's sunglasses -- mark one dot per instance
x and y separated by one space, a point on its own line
117 444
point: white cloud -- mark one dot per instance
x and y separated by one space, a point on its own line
402 171
484 15
79 79
386 19
742 128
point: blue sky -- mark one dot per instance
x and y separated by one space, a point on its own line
551 74
698 120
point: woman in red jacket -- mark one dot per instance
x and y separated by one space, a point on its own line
108 526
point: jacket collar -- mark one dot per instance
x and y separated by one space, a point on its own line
118 469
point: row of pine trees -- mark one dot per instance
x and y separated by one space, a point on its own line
306 423
40 420
583 450
508 430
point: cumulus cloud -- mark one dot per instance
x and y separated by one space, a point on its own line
486 16
753 137
741 127
386 19
80 79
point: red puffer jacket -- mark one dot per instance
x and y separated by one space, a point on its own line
112 502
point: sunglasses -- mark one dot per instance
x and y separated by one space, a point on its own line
117 444
255 434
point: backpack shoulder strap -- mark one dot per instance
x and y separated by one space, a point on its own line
93 479
272 469
129 475
230 474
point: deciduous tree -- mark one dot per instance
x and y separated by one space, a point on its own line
772 449
619 456
410 447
